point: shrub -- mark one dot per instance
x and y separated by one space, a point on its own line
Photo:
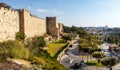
109 61
35 45
36 42
98 55
53 65
60 41
44 53
85 49
20 36
66 37
13 49
37 60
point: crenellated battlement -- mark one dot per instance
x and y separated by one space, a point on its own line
51 18
8 10
34 16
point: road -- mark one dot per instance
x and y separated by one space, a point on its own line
71 56
105 49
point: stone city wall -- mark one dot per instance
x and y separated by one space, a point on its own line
13 21
34 26
9 24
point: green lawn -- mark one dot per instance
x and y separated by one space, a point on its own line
54 47
94 63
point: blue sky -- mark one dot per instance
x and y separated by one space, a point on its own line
74 12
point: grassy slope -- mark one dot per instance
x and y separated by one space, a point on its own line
49 64
54 47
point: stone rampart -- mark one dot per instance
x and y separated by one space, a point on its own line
9 23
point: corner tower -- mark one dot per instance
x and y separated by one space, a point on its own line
51 26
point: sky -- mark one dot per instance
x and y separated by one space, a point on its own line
81 13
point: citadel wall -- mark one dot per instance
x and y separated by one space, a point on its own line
9 24
33 26
13 21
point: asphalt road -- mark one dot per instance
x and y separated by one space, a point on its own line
72 55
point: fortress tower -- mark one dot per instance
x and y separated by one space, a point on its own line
52 26
21 21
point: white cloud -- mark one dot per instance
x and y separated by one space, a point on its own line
41 10
58 12
54 11
29 7
60 18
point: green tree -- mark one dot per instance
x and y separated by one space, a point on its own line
35 45
109 62
20 36
13 49
66 37
98 55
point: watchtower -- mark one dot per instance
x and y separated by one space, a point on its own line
51 26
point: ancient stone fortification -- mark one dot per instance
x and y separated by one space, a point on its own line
33 26
53 28
9 23
13 21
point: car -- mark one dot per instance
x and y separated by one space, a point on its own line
82 61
